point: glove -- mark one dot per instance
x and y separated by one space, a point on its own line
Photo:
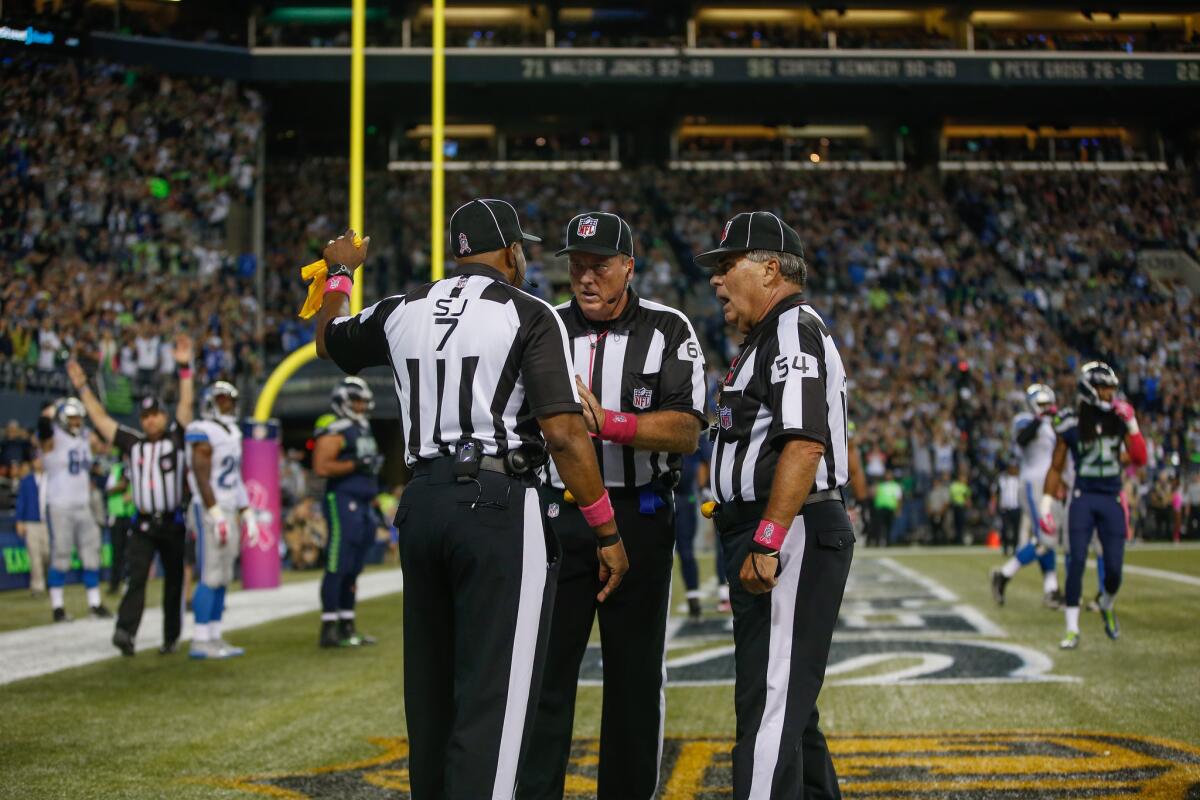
1050 411
250 523
1125 411
370 464
215 518
315 274
1046 509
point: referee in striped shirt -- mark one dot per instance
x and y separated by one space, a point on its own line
485 389
156 475
779 462
641 378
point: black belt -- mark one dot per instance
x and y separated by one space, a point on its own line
158 516
728 515
443 468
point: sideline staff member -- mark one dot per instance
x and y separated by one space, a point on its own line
779 462
478 365
640 375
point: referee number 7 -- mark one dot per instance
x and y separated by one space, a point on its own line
452 322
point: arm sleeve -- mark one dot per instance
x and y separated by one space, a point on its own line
682 377
797 387
546 364
357 342
125 438
1027 430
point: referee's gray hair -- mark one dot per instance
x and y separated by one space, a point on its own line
791 266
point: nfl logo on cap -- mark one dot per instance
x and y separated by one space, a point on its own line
725 233
463 247
587 227
641 398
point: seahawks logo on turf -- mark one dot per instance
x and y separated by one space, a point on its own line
966 766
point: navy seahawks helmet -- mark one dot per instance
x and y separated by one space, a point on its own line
348 390
1039 398
68 409
208 400
1094 376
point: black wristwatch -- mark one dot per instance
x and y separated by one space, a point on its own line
334 270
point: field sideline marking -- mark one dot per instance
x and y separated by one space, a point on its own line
32 652
1166 575
976 549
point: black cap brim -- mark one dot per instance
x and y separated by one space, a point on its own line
708 259
594 249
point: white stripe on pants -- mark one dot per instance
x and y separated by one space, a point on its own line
525 644
779 662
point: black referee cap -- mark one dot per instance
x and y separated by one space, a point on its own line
150 404
482 226
753 230
599 233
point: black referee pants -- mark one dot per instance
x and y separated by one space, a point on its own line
633 622
162 534
781 642
479 576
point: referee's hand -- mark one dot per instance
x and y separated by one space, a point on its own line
613 566
758 573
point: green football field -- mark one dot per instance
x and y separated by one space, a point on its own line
932 691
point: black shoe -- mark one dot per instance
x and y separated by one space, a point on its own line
329 634
999 584
693 608
167 648
100 612
61 615
1053 600
350 636
123 641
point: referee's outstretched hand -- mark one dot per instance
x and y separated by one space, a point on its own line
758 573
613 566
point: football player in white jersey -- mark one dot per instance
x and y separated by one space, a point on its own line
214 451
1035 437
67 456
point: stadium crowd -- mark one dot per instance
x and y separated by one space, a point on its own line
949 293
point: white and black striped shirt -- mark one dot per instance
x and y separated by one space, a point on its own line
787 381
473 358
647 359
155 468
1008 487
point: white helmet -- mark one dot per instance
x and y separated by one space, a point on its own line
350 389
66 410
1039 398
208 400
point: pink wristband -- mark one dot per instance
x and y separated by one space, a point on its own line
340 283
598 512
185 373
770 534
618 427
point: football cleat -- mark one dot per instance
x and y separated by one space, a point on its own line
123 641
350 637
1111 627
694 608
167 648
1053 600
1069 643
1094 603
100 612
61 615
999 584
232 650
329 635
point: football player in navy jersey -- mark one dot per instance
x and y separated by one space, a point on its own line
1095 438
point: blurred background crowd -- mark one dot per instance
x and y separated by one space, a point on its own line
126 198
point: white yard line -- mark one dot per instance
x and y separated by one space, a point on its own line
1166 575
31 652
